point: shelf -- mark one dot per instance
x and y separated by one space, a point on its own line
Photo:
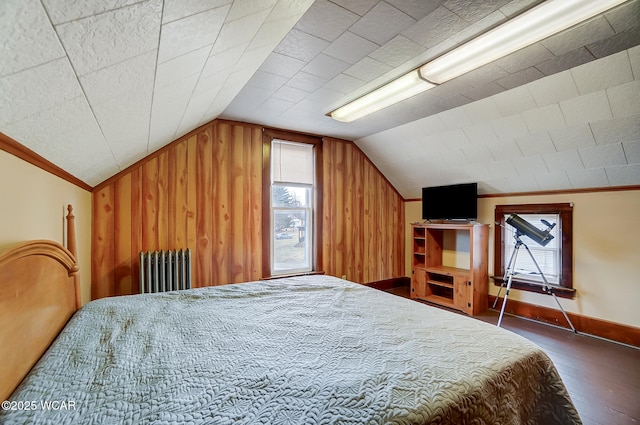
438 283
448 271
437 300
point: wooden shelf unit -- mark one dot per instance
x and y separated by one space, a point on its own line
461 288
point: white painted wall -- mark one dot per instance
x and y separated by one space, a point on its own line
33 206
606 251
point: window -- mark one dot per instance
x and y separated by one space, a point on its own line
554 259
291 200
292 175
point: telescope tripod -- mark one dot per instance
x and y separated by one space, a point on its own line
509 273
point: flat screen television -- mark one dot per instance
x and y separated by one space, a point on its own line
452 202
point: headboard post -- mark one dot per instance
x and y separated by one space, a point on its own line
71 232
71 246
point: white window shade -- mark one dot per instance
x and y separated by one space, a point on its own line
291 162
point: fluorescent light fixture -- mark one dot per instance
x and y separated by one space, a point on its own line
536 24
400 89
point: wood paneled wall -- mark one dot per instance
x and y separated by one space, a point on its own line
363 217
204 192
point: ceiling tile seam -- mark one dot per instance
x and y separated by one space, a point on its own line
208 58
93 14
84 93
193 14
31 67
153 90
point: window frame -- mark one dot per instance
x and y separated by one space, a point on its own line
565 231
268 136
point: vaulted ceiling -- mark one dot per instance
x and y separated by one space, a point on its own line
95 85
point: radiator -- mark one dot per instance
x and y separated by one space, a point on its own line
162 271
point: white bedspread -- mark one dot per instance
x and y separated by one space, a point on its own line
312 350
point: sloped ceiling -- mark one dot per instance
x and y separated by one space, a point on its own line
95 85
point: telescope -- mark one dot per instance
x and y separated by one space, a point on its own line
522 226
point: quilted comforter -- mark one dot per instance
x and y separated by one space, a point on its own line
308 350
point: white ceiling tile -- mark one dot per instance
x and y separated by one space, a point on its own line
603 156
121 78
325 67
482 134
482 111
535 144
483 91
544 118
300 45
628 175
101 40
367 69
519 78
344 84
477 153
625 16
21 47
634 59
530 165
593 30
357 6
472 12
63 10
191 33
583 178
282 65
563 161
435 28
178 9
525 58
505 150
416 9
553 181
566 61
572 137
616 130
266 81
326 20
431 125
523 184
306 82
37 89
239 32
477 172
479 27
514 101
290 94
632 151
625 99
288 12
554 88
502 168
397 51
587 108
223 62
326 97
455 118
603 73
243 8
454 138
183 66
508 128
350 47
382 23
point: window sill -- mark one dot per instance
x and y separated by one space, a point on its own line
282 276
533 287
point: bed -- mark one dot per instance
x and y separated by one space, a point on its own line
311 349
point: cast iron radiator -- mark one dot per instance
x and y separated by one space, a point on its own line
162 271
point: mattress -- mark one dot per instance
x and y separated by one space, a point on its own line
312 350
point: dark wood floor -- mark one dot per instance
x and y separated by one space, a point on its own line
602 377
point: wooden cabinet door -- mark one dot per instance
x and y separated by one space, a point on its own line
418 283
463 294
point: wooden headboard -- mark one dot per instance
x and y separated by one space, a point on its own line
39 292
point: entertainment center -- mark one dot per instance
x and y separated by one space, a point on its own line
462 287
